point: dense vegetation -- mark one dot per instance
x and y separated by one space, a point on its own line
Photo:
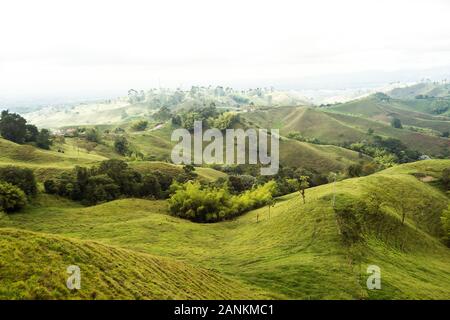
205 204
111 179
14 127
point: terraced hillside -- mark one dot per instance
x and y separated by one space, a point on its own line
315 250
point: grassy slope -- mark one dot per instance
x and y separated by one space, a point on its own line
50 163
336 128
297 253
33 266
376 109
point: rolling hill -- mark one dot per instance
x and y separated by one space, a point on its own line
298 252
384 109
37 270
329 126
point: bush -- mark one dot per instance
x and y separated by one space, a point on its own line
11 197
51 186
210 204
20 177
140 125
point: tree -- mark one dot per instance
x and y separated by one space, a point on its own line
303 185
163 114
93 135
370 131
13 127
22 178
11 197
396 123
150 187
32 133
43 139
121 145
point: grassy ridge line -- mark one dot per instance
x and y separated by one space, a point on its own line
33 266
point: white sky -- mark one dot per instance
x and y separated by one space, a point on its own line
77 47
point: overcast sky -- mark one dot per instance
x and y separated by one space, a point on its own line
87 47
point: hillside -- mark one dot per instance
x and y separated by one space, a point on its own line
106 272
301 251
384 109
143 104
329 126
431 89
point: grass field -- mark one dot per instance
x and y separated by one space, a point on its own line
296 253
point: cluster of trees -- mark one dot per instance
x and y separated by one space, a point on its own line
14 127
16 186
386 151
111 180
209 115
199 203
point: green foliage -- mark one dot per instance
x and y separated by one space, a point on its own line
211 204
224 121
110 180
163 114
23 178
354 170
13 127
11 197
241 183
43 139
445 218
140 125
93 135
446 178
121 145
396 123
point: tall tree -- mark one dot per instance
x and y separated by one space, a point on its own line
13 127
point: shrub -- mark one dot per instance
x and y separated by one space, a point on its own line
11 197
210 204
51 186
20 177
140 125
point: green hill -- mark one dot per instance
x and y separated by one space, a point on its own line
311 251
431 89
33 266
382 109
330 126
